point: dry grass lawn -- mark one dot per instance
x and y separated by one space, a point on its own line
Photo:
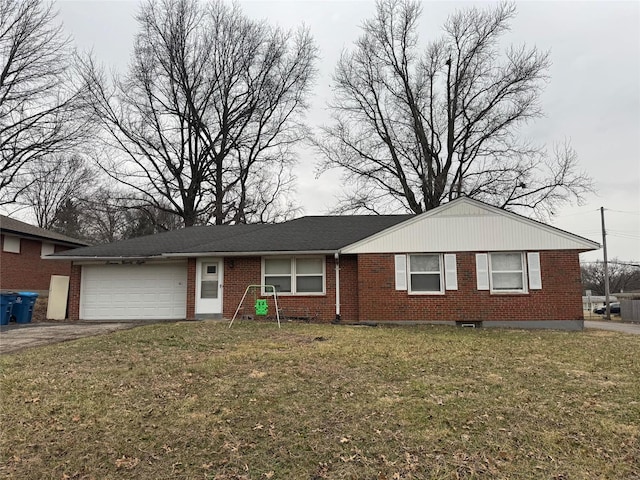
201 401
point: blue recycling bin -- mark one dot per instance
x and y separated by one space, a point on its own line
7 299
23 306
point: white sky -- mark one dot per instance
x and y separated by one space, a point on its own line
592 100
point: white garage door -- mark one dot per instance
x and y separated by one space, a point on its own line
133 292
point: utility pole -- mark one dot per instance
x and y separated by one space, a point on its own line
606 267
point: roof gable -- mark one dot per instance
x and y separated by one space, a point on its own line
465 225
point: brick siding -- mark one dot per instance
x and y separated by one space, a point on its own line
26 270
559 299
239 272
73 311
367 292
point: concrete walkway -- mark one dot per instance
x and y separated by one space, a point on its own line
15 337
632 328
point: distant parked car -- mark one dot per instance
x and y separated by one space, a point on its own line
614 308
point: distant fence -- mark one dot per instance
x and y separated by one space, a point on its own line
630 310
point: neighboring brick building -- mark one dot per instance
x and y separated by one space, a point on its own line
462 263
22 248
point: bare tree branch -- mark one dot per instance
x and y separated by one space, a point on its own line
41 111
212 99
420 126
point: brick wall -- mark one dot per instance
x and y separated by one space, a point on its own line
239 272
559 299
73 309
26 270
191 288
367 291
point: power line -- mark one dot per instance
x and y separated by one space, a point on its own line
623 211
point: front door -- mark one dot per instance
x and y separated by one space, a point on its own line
209 286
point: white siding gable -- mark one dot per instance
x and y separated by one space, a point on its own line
466 225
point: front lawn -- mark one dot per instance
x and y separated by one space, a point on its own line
201 401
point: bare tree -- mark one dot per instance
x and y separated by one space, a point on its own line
623 276
415 127
40 110
212 98
51 181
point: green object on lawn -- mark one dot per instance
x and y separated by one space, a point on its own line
261 307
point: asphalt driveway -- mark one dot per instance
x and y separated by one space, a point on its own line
18 336
633 328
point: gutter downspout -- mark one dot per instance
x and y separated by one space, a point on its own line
336 257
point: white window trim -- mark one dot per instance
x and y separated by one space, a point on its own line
294 275
420 292
523 262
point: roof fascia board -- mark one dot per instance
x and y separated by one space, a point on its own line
78 258
588 244
251 254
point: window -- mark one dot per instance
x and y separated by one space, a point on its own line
425 273
507 272
295 275
11 244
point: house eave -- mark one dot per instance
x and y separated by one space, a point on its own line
119 259
250 254
42 238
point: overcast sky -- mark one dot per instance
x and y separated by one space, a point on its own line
592 100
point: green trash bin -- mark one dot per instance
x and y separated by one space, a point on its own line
7 299
23 306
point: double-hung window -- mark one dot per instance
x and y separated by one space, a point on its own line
295 275
507 272
425 273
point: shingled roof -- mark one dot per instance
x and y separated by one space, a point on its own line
306 234
12 226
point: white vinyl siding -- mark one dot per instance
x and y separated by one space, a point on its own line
425 273
295 275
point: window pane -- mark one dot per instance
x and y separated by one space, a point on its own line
209 289
425 282
506 261
309 266
211 269
507 281
275 266
424 263
281 284
309 284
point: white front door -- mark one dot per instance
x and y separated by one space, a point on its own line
209 277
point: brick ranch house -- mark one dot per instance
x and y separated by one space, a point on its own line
463 262
23 246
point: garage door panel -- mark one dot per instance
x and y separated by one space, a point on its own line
147 291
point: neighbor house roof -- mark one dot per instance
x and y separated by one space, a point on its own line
11 226
306 234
